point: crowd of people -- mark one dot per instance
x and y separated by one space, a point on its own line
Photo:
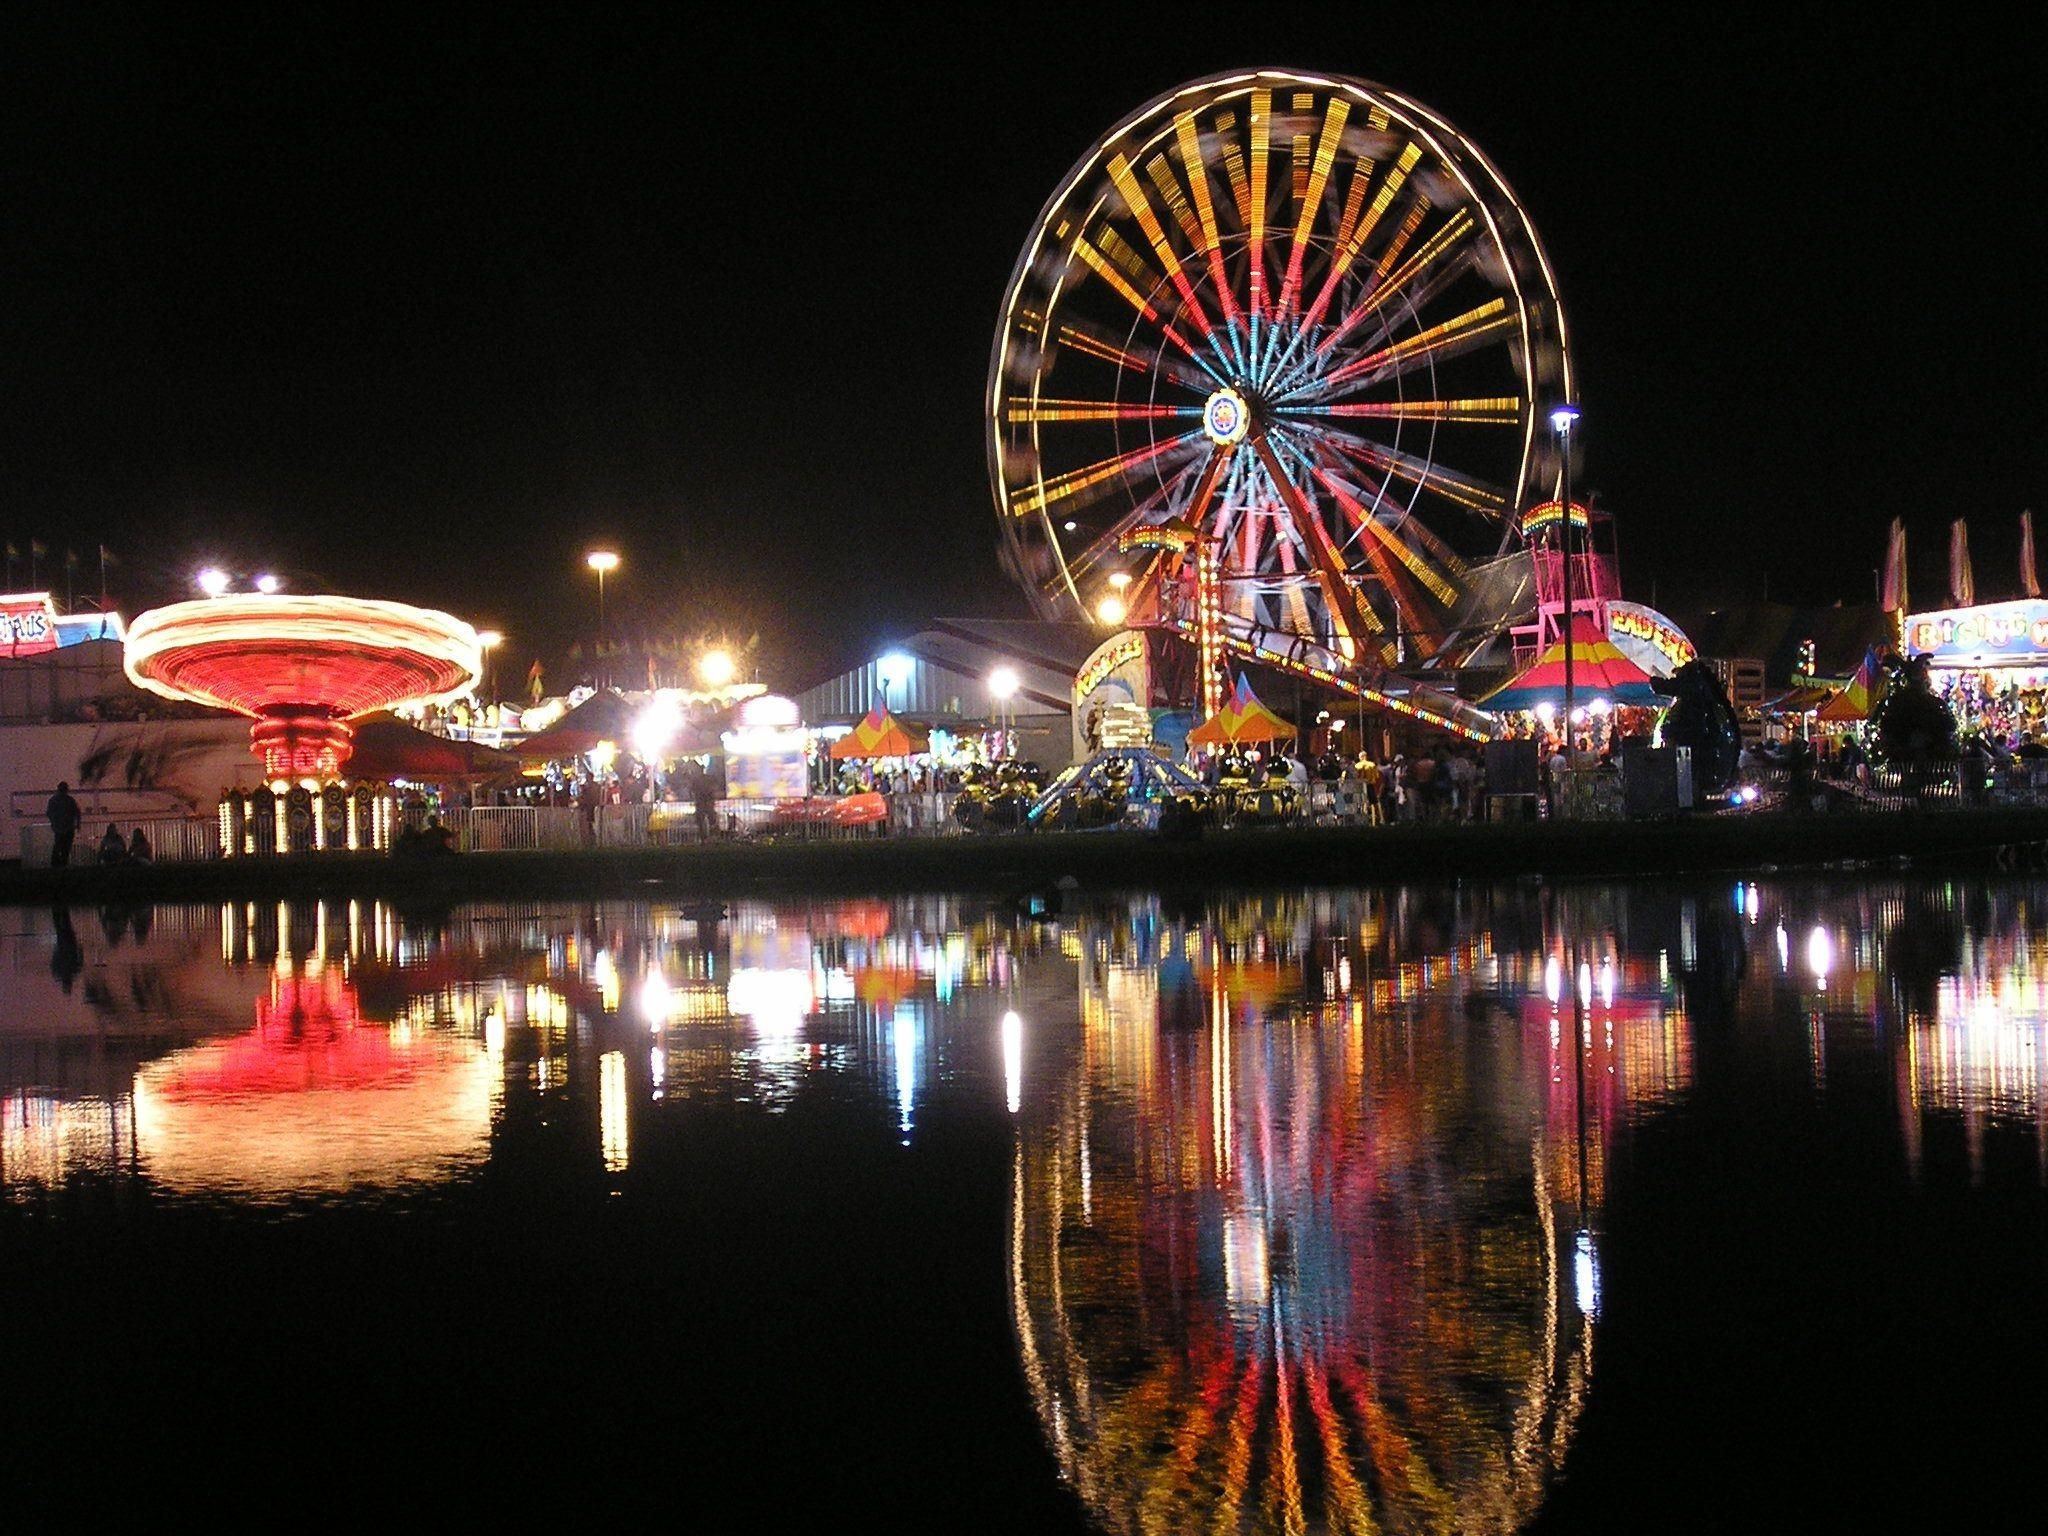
1440 783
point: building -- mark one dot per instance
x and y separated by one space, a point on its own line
941 676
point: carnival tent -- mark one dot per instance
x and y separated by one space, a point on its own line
606 715
1855 702
881 734
388 748
1242 718
1598 671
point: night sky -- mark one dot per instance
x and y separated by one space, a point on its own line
422 303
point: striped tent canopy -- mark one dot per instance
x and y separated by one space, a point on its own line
881 734
1599 671
1858 698
1242 718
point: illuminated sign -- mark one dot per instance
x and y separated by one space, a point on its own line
1648 639
28 623
1115 652
1548 514
1995 634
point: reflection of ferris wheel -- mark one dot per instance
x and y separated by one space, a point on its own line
1303 317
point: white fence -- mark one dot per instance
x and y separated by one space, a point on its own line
172 839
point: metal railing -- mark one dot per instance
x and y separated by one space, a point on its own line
172 839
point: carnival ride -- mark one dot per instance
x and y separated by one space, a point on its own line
997 797
1292 337
1106 787
302 667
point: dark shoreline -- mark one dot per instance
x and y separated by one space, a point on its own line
1989 841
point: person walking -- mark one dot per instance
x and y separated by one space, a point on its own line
64 816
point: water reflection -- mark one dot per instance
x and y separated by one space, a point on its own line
1306 1191
1306 1235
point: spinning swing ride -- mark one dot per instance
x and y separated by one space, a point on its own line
1289 341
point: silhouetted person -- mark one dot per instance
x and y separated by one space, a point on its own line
113 846
139 851
64 818
66 960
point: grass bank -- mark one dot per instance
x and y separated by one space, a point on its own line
1987 840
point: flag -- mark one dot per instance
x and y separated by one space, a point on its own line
1894 599
38 548
107 556
533 680
2030 582
1962 591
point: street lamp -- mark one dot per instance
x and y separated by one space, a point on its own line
1002 685
490 640
1562 419
601 561
894 670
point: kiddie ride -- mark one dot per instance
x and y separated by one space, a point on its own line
997 798
1255 794
1120 786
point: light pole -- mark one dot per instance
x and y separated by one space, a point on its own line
1002 684
1562 420
601 561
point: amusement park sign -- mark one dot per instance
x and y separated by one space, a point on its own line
1995 634
1647 638
28 624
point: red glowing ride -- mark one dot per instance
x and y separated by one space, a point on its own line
302 667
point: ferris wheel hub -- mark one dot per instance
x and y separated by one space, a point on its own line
1226 418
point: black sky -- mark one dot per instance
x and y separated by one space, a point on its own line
421 302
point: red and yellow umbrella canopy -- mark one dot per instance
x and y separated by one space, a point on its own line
1242 718
881 734
1598 670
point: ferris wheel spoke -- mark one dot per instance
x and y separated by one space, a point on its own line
1080 487
1260 132
1105 543
1187 138
1375 536
1362 225
1489 410
1103 267
1336 112
1140 207
1440 480
1092 340
1039 412
1347 624
1478 326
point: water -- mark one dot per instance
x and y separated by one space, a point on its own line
1714 1206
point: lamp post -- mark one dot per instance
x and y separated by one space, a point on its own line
601 561
1002 684
1562 419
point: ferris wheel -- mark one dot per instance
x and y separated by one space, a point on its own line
1299 324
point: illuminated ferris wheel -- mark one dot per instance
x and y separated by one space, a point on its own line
1300 325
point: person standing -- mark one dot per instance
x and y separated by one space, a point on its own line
64 817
